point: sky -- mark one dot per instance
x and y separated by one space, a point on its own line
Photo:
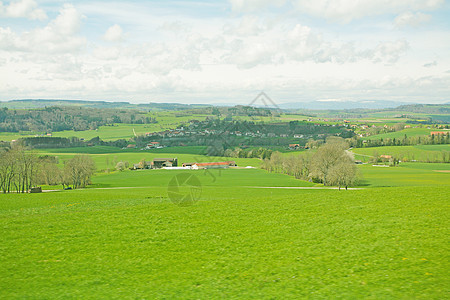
199 51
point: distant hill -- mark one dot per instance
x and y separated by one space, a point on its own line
341 105
41 103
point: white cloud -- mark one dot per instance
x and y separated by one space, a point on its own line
347 10
342 11
411 19
22 9
114 34
431 64
389 52
180 58
60 35
248 26
253 5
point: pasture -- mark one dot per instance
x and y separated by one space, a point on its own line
123 237
424 153
234 242
409 132
108 161
166 120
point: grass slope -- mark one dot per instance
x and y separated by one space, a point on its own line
105 160
401 134
419 152
234 243
166 120
406 174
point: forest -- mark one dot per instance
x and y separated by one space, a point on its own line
59 118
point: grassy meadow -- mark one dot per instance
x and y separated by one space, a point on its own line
123 237
166 120
105 160
409 132
235 242
425 153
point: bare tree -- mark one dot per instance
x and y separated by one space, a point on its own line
343 174
79 170
49 172
326 157
17 170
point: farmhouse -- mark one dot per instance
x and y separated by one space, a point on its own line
438 133
188 164
158 163
294 146
152 145
213 165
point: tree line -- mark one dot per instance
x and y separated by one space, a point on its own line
20 170
59 118
432 139
331 165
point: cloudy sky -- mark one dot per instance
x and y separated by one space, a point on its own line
199 51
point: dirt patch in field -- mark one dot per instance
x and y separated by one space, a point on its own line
442 171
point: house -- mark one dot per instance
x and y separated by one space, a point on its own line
438 133
386 156
131 146
212 165
158 163
188 164
294 146
152 145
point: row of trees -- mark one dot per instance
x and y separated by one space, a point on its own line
21 170
331 165
218 150
437 139
18 170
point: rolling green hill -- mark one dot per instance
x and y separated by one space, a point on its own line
424 153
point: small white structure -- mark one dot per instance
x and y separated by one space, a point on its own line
176 168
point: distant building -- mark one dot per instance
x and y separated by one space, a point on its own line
294 146
152 145
438 133
159 163
213 165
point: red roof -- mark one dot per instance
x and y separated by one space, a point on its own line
213 164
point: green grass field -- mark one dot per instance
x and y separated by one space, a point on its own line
166 120
235 242
424 153
123 237
107 158
409 132
200 150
